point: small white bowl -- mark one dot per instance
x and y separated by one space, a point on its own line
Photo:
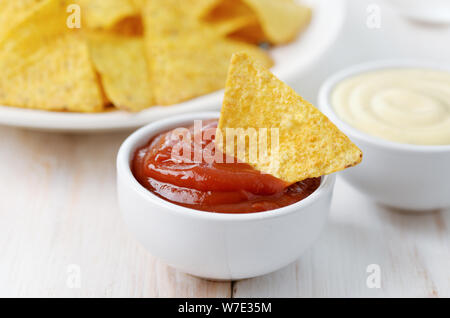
214 245
403 176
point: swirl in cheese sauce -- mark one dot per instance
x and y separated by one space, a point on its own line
403 105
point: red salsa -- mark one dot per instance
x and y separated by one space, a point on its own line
210 185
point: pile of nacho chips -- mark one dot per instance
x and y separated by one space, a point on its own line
132 54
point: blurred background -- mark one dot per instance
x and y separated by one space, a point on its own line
391 35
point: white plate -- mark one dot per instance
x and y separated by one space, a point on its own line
290 62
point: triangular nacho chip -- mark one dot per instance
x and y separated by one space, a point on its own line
195 68
13 12
188 58
281 20
250 33
232 25
47 66
230 16
123 69
309 144
104 14
199 8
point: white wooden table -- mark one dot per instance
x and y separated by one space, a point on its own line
61 232
61 229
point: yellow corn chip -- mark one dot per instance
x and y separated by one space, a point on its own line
281 20
185 72
103 14
123 69
200 8
129 26
309 145
229 16
13 12
250 33
225 9
139 4
45 65
188 58
233 25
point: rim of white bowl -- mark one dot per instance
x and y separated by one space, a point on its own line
328 86
141 136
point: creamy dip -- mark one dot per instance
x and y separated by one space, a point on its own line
403 105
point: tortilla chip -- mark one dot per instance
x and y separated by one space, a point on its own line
226 9
309 145
185 72
200 8
232 25
229 16
250 33
123 68
139 4
104 14
188 58
281 20
129 26
13 12
46 66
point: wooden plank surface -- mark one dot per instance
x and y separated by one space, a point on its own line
61 228
411 250
61 234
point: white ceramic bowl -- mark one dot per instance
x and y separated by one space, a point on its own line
213 245
403 176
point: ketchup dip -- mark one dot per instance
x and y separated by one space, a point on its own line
207 185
